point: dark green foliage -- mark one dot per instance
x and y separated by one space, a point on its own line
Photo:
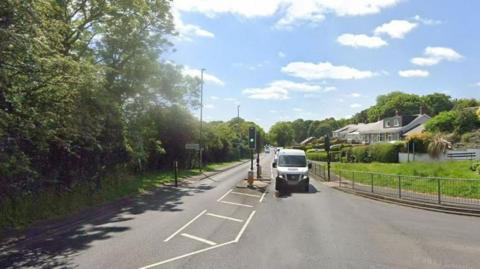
385 153
361 154
458 121
320 156
443 122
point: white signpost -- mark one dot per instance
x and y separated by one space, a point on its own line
192 146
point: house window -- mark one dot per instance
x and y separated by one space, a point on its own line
389 137
387 123
396 122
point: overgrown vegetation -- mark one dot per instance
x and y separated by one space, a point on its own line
84 94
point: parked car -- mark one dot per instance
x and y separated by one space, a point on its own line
292 170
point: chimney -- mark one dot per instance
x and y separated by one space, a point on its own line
397 113
421 110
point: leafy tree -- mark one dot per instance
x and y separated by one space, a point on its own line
437 102
282 134
443 122
466 121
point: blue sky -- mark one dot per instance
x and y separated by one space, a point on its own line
312 59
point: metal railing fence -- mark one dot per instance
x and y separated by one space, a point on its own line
447 191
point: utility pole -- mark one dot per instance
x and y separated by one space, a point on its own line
201 119
239 133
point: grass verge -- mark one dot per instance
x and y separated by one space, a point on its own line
455 179
48 205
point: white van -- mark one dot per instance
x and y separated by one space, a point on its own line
292 169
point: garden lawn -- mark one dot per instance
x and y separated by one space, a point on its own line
454 177
447 169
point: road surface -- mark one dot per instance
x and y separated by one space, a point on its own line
216 224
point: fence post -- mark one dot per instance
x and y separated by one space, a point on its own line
176 173
439 191
399 186
371 179
340 178
353 180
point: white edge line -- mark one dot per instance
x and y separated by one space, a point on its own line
263 196
208 242
185 226
246 194
186 255
232 203
223 196
244 226
224 217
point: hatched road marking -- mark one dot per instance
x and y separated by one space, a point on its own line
224 217
232 203
246 194
208 242
185 226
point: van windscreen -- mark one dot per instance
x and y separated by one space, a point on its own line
292 161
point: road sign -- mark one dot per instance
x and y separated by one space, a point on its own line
251 137
192 146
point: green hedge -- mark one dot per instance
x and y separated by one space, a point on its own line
383 153
317 156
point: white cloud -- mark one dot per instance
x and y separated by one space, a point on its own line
324 70
291 12
230 99
268 93
355 105
395 28
355 95
209 78
209 106
356 41
214 97
435 55
297 109
427 21
279 89
186 32
295 86
329 89
413 73
281 54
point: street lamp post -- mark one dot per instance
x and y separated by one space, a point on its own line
239 132
201 119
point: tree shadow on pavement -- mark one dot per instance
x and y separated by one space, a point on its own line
52 244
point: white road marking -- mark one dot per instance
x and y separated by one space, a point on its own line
232 203
244 226
263 196
186 255
185 226
223 196
211 243
224 217
246 194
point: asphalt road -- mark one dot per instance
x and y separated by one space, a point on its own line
217 223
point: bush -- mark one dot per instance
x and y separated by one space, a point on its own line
361 154
385 153
318 156
474 166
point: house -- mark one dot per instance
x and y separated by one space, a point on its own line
308 140
386 130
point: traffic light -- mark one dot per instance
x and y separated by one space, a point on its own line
327 143
251 137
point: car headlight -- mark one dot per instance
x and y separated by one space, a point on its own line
281 176
305 176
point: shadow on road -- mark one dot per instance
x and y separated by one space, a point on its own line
51 245
292 190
